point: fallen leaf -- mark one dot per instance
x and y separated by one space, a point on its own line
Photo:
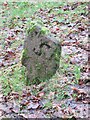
5 3
41 94
75 90
32 105
1 113
24 102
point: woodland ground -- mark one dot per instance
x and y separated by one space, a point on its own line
66 95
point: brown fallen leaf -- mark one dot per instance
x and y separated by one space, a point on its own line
1 64
24 115
80 82
51 95
15 95
82 91
81 28
58 113
28 94
24 102
1 113
37 114
10 38
16 109
32 105
66 7
35 99
41 94
5 4
75 90
87 100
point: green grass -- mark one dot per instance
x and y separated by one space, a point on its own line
25 10
66 67
48 105
13 79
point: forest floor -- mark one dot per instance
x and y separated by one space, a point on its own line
66 95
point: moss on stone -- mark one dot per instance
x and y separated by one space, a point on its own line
32 26
57 54
30 69
30 29
38 67
44 30
25 54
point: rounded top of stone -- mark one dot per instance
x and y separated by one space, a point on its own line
41 30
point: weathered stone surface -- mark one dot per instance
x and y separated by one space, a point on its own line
41 55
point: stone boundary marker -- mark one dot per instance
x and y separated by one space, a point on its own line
41 55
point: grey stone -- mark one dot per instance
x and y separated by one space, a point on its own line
41 55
